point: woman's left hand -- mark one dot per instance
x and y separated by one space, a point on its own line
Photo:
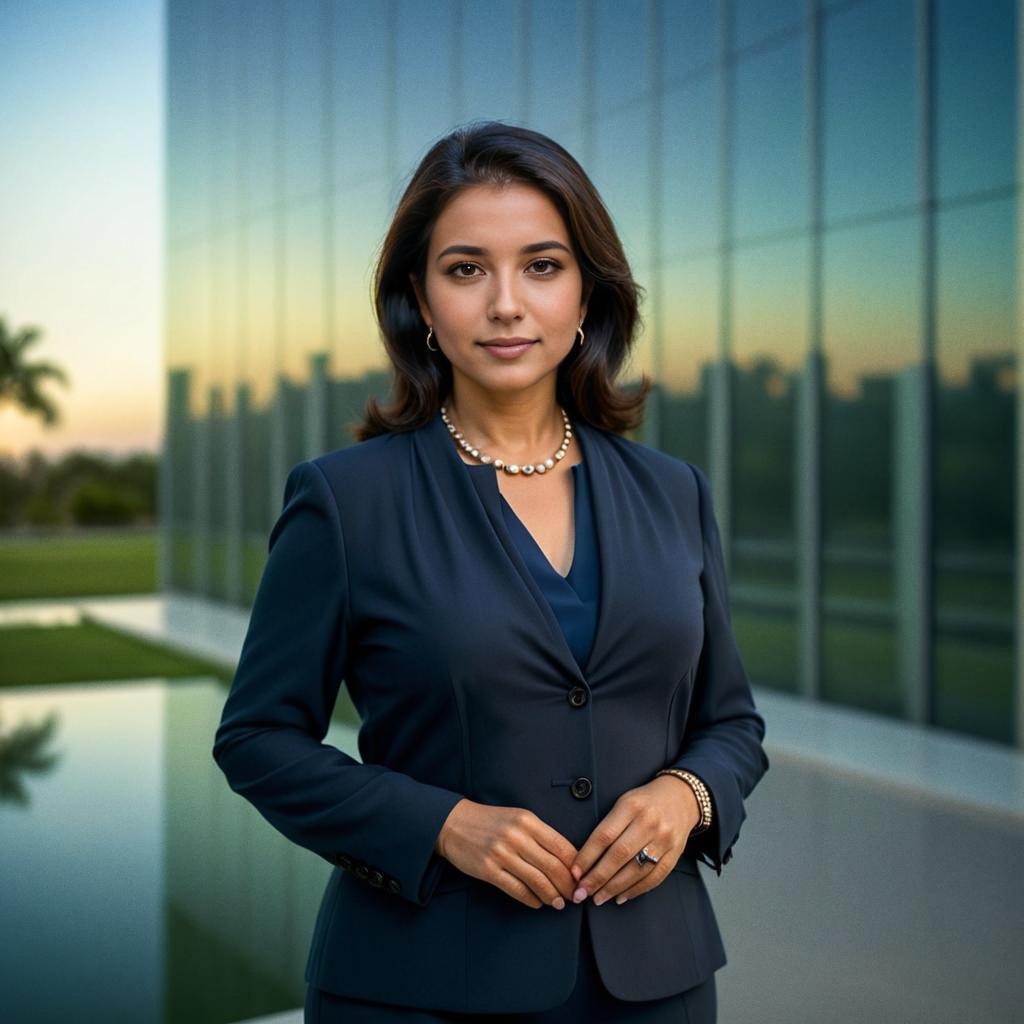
659 815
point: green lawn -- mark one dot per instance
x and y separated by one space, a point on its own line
77 566
41 655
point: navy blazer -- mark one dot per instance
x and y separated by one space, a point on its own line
391 567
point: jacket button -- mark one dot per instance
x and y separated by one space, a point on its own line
362 870
376 878
394 885
345 861
577 696
581 787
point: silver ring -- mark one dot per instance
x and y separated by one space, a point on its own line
643 857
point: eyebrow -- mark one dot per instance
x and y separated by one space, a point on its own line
476 250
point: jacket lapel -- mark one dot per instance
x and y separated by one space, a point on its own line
465 483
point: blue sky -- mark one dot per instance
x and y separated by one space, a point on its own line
81 102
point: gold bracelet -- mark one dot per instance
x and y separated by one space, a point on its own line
700 791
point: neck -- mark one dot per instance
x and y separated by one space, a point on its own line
508 427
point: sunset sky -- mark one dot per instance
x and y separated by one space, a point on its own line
80 214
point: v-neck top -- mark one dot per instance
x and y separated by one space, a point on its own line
573 598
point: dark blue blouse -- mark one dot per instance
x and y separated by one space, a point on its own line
573 598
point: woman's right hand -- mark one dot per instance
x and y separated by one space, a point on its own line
511 848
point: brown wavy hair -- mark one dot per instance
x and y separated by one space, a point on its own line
495 153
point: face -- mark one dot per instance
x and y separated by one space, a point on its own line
500 266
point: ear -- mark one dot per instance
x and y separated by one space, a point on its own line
421 299
587 292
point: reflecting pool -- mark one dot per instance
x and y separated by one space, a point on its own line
136 886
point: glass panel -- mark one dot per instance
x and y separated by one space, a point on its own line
625 185
757 20
621 58
493 62
187 149
424 55
260 362
359 91
688 36
872 278
771 145
555 89
223 111
690 207
187 215
976 94
180 434
644 357
304 54
976 469
362 216
197 351
223 363
304 327
688 341
260 28
769 323
870 112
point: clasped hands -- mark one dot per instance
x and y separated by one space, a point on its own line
514 850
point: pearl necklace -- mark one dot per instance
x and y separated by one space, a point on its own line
510 467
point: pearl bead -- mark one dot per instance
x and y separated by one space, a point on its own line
512 468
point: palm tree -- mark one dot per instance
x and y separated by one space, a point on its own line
20 380
22 753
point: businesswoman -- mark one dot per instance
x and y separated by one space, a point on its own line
530 613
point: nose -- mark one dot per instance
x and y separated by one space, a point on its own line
506 302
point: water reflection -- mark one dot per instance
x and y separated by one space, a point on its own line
134 875
22 753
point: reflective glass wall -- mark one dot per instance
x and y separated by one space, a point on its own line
820 199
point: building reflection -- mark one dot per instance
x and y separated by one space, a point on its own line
820 199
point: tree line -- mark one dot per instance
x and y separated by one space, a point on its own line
78 488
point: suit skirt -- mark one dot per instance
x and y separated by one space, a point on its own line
589 1001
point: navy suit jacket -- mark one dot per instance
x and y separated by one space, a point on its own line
391 568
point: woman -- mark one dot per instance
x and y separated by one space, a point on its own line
530 613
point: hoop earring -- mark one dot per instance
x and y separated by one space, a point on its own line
433 348
581 334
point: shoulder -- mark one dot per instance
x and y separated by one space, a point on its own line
372 457
673 470
336 472
363 462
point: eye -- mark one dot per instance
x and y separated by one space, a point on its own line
544 262
455 266
551 263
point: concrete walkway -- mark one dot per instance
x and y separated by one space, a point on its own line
209 629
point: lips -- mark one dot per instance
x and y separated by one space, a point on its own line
508 348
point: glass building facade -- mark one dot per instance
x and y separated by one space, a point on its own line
821 201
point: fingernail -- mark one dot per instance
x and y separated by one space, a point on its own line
599 899
619 900
579 895
558 903
577 871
